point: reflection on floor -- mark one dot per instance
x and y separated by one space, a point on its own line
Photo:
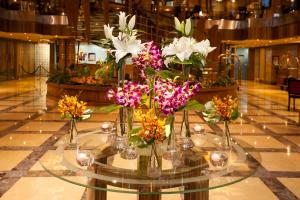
30 126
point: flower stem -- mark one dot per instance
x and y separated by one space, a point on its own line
185 127
120 69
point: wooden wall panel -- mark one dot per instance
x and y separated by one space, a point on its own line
15 53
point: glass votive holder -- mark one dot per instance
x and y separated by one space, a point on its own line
219 159
84 157
199 129
107 127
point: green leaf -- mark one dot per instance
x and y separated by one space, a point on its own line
110 108
84 117
168 130
235 114
193 105
167 74
134 131
135 140
150 71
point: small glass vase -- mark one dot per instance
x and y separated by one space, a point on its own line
226 137
222 156
154 163
171 151
73 131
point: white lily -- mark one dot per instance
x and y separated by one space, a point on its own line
188 26
203 47
122 21
126 46
182 48
108 31
131 23
179 26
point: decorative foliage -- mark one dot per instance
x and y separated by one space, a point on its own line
130 95
172 97
72 108
221 109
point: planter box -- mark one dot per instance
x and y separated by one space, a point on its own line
206 94
94 95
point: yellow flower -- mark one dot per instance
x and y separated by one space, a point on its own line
153 128
71 107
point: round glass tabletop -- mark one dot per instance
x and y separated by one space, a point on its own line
204 167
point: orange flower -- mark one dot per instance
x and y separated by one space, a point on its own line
71 107
225 106
153 128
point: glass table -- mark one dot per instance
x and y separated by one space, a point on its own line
203 168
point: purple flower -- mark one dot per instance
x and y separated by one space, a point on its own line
170 97
149 57
129 96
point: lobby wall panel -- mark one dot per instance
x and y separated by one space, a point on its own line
251 64
262 64
256 64
269 67
15 53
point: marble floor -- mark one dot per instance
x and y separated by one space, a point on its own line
30 127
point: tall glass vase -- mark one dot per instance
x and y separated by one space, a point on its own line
121 137
129 152
185 141
171 151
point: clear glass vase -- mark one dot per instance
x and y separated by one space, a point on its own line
129 152
185 141
226 137
120 141
154 163
171 151
73 131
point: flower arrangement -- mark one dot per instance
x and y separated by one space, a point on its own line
152 129
72 108
159 93
222 109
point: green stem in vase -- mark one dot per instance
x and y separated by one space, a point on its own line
227 133
129 118
73 130
156 154
120 69
185 127
172 138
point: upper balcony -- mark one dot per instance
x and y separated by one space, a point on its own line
29 17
